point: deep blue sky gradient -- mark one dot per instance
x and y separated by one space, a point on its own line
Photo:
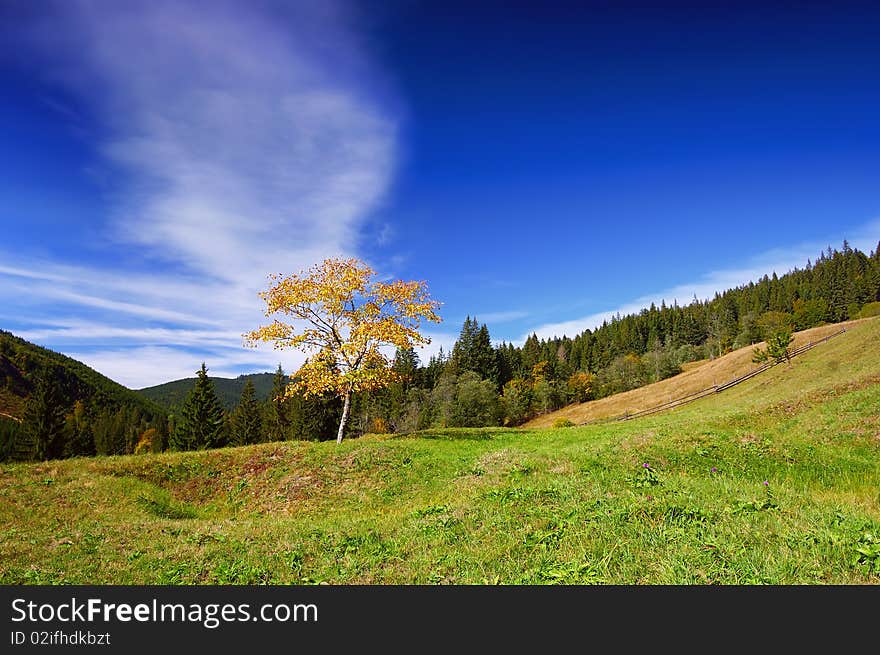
556 160
584 155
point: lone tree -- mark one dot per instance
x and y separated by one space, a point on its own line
343 319
777 348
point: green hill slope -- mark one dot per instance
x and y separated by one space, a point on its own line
228 390
772 482
22 361
698 377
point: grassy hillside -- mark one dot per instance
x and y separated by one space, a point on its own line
22 361
774 481
695 376
173 394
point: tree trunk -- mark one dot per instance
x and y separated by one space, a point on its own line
345 408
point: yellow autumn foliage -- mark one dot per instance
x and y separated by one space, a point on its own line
341 317
145 441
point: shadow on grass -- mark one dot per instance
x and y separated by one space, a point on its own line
458 434
161 505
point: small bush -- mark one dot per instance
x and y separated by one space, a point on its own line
145 441
870 309
562 423
380 426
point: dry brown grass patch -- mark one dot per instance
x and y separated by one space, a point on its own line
637 441
498 462
697 377
563 467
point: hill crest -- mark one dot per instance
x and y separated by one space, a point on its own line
172 394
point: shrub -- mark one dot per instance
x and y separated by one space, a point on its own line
517 398
562 423
870 309
773 322
380 426
465 401
580 386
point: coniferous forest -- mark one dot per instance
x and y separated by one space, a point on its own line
52 406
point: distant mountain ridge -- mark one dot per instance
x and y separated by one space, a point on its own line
172 394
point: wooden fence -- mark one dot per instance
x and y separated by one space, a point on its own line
717 388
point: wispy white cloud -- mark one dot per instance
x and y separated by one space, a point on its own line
439 340
490 318
245 152
84 332
243 139
777 260
386 234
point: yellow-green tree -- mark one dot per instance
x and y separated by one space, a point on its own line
342 319
580 386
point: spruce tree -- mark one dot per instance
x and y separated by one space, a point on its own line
247 422
201 421
313 417
42 435
436 365
278 409
504 363
79 440
406 364
10 430
531 353
392 399
473 351
484 356
462 358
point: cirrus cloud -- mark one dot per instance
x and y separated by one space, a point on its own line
238 141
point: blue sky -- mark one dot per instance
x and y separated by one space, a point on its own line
541 165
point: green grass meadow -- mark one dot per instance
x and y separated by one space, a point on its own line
776 481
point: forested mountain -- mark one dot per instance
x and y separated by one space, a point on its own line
52 405
627 351
172 394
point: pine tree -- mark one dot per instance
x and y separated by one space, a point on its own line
278 409
462 358
201 422
79 440
485 364
42 435
531 354
312 418
247 421
406 364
